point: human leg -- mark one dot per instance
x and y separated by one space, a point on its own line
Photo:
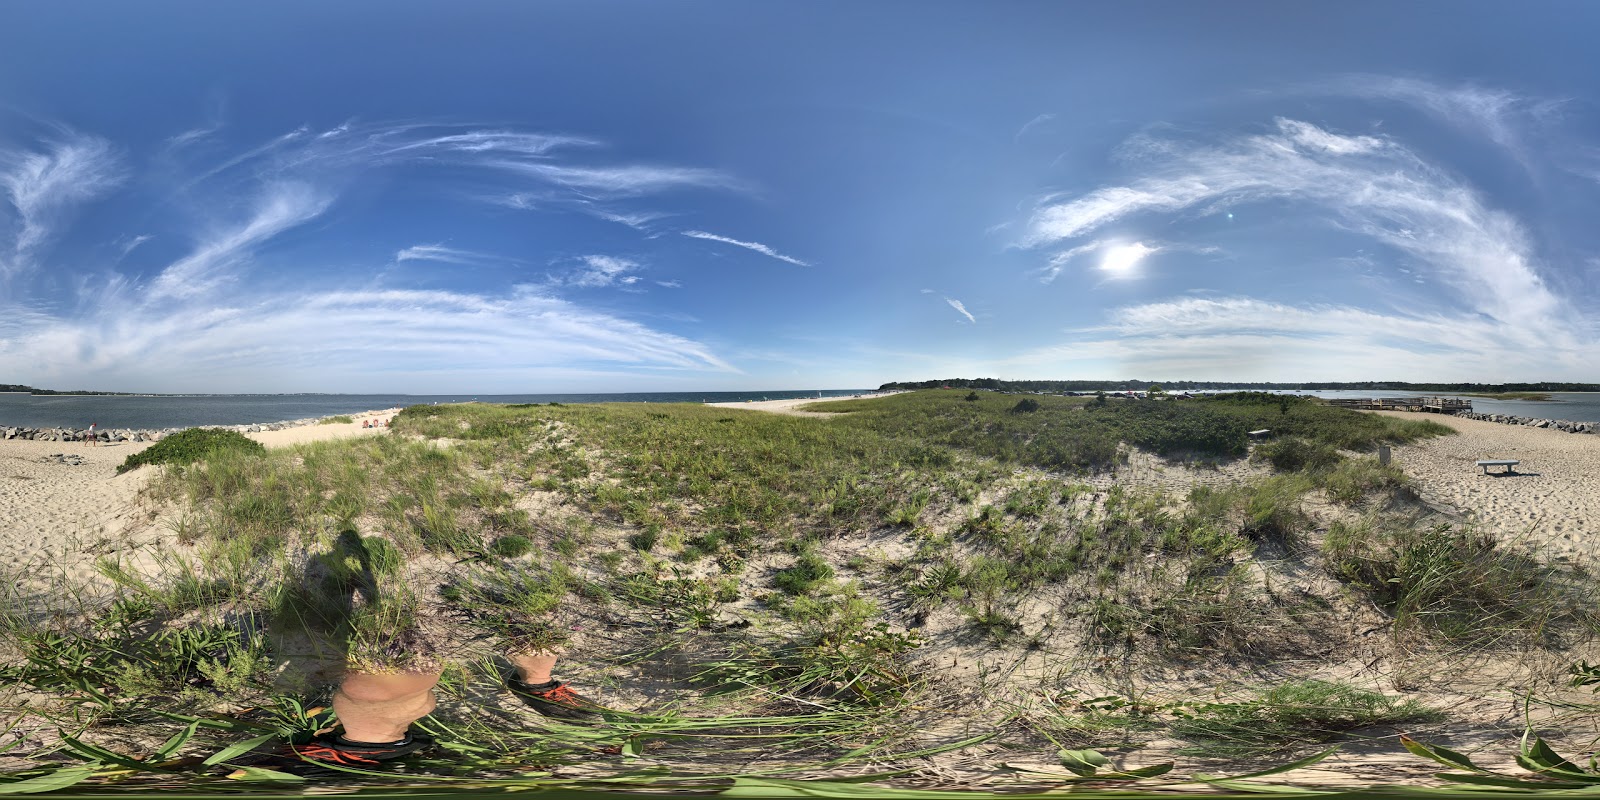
381 707
532 682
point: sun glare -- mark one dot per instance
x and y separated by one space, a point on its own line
1120 260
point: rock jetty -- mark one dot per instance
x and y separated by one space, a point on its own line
1535 422
134 435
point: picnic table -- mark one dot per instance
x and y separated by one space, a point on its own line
1508 463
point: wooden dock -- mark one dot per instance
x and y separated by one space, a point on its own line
1432 405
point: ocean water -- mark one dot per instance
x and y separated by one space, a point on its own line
1574 406
184 411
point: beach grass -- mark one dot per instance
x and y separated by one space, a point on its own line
792 589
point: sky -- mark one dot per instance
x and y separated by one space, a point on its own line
595 196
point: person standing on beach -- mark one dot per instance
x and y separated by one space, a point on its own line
359 601
89 436
375 710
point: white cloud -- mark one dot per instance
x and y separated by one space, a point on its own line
441 253
1243 338
670 284
1365 185
128 245
279 207
961 309
1497 114
1031 124
756 246
604 271
45 186
353 340
621 181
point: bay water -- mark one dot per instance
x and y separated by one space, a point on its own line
151 412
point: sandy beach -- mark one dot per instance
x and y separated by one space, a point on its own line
58 500
1552 501
792 407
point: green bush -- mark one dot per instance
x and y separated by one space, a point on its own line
1026 405
191 445
339 420
511 546
804 576
1294 454
1460 585
1293 714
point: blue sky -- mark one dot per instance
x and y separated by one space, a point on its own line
602 196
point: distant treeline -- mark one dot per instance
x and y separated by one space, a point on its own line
17 387
995 384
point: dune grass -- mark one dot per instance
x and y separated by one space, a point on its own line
732 557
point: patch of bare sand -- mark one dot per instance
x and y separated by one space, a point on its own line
792 407
59 513
1552 501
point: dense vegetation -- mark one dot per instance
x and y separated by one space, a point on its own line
787 593
191 445
996 384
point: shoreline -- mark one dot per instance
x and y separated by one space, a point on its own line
62 501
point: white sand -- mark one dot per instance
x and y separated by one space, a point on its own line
1553 500
792 407
52 512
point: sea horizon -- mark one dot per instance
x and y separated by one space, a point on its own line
160 412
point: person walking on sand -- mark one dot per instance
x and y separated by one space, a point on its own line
89 436
375 710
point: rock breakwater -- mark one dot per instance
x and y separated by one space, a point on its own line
136 435
1535 422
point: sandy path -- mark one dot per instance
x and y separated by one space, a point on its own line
1553 500
52 512
792 407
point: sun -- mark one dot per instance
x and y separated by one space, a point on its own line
1120 260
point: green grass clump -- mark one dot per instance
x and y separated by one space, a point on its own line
512 546
191 445
1461 585
342 419
1294 454
1292 715
806 574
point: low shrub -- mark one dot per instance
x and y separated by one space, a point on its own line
1294 454
1026 405
511 546
804 576
342 419
191 445
1297 713
1461 585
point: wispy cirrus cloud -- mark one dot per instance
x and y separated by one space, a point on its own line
1368 185
279 207
207 321
45 186
441 253
355 340
756 246
1499 114
601 271
1247 338
960 309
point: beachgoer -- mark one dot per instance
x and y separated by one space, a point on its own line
389 675
366 423
90 437
375 710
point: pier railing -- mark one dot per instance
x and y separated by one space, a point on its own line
1434 405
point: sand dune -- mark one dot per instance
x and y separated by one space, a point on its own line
60 500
